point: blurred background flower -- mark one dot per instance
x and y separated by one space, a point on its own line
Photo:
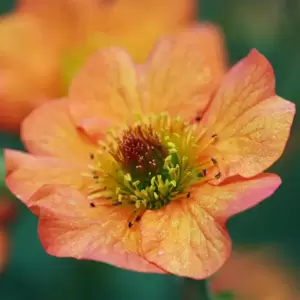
257 274
43 43
7 213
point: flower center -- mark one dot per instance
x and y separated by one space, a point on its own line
147 165
141 153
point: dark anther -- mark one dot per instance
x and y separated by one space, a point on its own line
92 204
130 224
217 176
117 203
188 195
92 156
105 188
198 119
204 172
214 135
138 218
214 161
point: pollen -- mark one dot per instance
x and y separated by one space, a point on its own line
147 165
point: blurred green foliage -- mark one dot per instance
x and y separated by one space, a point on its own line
271 26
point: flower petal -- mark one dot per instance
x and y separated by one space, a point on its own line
105 88
252 124
257 139
14 158
184 240
49 131
249 82
27 173
183 72
188 237
236 195
70 227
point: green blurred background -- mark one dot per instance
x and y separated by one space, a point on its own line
271 26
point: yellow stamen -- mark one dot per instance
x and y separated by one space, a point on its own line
147 165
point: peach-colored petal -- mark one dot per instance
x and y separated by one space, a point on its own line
27 173
49 131
188 237
70 227
183 72
249 82
95 128
257 139
184 240
14 158
236 195
252 124
106 88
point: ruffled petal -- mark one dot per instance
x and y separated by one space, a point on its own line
27 173
105 89
49 131
70 227
188 237
251 123
183 72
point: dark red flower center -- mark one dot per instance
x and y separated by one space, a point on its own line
141 153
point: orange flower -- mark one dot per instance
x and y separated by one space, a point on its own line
125 171
56 37
6 213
